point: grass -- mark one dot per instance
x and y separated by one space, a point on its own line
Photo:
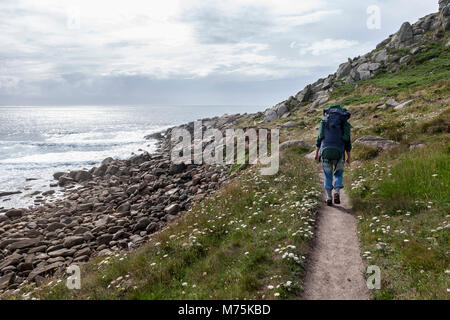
403 204
430 66
248 241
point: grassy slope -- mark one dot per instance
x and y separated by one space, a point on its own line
402 194
255 233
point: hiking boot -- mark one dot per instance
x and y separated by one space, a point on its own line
337 198
329 202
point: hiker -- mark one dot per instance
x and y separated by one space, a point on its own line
332 143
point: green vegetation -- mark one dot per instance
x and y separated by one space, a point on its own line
430 66
403 204
248 241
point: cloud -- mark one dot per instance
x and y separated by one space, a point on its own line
326 46
55 51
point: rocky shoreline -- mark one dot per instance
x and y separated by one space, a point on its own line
115 206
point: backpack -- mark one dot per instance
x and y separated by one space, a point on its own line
335 131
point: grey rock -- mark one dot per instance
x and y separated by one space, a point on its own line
290 124
172 209
105 239
58 175
297 143
42 270
377 142
125 207
25 243
152 227
14 213
380 56
403 36
6 280
65 252
72 241
55 226
404 104
405 59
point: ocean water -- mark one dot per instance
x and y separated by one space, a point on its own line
35 141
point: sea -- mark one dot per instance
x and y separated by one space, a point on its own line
37 141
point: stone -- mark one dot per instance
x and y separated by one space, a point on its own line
444 14
43 269
343 70
72 241
172 209
6 280
124 207
376 142
296 143
112 170
65 180
62 253
177 168
380 56
105 239
55 226
82 176
8 193
391 103
403 36
85 207
405 59
364 75
58 175
141 224
404 104
14 213
152 227
25 243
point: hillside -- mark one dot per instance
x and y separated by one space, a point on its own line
251 238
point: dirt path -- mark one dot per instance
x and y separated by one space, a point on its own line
335 269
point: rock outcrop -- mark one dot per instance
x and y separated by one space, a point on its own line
385 56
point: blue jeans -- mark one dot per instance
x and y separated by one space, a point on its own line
330 168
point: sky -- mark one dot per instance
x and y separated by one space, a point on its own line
184 52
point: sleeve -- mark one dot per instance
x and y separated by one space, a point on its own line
320 135
347 140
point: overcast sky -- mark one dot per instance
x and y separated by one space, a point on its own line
258 52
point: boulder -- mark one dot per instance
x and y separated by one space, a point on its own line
297 143
344 70
25 243
376 142
82 176
403 36
172 209
14 213
404 104
58 175
65 180
43 270
72 241
124 207
444 14
8 193
141 224
55 226
105 238
6 280
65 252
380 56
